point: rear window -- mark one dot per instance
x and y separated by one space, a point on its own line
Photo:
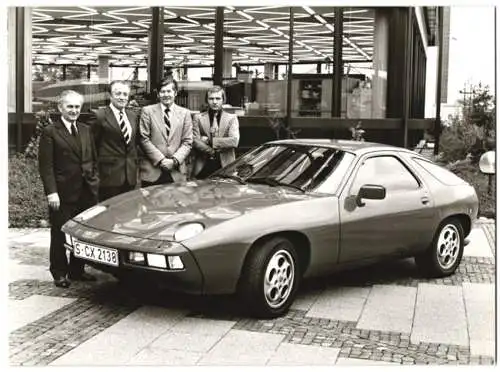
441 174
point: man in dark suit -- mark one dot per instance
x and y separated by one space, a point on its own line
67 163
116 139
166 133
216 134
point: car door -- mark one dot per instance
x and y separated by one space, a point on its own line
397 223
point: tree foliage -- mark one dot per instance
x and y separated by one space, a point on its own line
473 132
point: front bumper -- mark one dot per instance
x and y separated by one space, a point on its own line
187 280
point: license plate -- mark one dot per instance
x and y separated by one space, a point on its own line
91 252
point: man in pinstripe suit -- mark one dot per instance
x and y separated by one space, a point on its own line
116 140
216 134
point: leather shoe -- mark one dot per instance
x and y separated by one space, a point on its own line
62 282
84 277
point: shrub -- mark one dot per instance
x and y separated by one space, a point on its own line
471 173
27 201
458 140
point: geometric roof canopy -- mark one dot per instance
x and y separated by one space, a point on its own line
78 35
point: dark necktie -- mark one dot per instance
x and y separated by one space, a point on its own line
124 128
167 121
74 132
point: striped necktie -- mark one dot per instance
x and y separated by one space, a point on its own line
124 128
167 121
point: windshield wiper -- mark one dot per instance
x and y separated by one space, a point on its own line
273 182
236 178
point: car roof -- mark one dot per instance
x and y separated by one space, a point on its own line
357 147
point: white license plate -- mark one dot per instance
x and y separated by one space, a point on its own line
103 255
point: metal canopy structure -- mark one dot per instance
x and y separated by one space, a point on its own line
256 35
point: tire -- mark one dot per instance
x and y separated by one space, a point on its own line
270 278
445 253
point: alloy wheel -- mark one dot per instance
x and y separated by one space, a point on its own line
279 278
448 246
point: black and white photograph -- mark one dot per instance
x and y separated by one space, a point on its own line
257 185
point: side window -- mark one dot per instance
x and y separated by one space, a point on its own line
386 171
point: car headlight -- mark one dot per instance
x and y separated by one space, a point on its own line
91 212
188 230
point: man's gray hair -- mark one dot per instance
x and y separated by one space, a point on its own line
67 93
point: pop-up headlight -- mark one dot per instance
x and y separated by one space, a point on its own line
188 230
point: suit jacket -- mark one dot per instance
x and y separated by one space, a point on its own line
67 164
224 141
156 145
117 160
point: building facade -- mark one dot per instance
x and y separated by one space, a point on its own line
288 71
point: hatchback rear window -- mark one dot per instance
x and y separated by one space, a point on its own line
441 174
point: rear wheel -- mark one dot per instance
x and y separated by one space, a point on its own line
270 278
445 253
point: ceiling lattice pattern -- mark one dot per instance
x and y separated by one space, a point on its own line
78 35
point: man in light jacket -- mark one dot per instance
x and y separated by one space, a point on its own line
216 135
166 137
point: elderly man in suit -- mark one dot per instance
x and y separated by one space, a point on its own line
216 135
166 133
67 163
116 138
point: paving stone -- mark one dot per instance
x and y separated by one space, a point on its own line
296 355
397 317
28 272
242 348
203 326
23 312
162 357
479 245
440 316
342 303
124 339
480 309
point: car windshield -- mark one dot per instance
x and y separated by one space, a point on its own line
296 166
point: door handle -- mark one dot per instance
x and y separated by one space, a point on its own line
424 199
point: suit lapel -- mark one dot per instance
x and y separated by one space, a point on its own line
82 137
133 125
111 119
66 136
160 123
205 123
174 117
224 120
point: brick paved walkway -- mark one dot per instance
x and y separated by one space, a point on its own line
327 320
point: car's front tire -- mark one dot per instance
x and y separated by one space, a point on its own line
270 278
445 253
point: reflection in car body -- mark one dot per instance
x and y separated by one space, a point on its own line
284 211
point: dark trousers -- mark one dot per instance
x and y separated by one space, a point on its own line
109 192
59 265
164 178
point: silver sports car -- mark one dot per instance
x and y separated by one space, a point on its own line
282 212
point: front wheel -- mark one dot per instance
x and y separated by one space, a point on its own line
270 278
445 253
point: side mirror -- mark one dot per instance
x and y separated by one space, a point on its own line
373 192
487 162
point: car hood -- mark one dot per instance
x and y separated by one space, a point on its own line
156 212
